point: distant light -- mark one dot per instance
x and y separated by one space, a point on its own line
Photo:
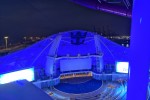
25 37
27 74
140 20
6 37
6 41
127 45
31 38
122 67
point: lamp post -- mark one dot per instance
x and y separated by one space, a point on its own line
25 39
6 41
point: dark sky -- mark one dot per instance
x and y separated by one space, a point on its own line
44 17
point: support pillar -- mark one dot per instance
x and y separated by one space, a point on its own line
99 60
139 51
50 61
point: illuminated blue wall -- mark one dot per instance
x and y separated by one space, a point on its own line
139 51
49 66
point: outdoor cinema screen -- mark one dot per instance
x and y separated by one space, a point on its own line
75 64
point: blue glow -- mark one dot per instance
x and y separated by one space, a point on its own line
139 61
27 74
122 67
37 54
106 7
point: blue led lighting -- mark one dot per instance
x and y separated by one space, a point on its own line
139 51
27 74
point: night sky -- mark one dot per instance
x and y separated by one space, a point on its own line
20 18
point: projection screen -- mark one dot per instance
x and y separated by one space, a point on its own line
75 64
